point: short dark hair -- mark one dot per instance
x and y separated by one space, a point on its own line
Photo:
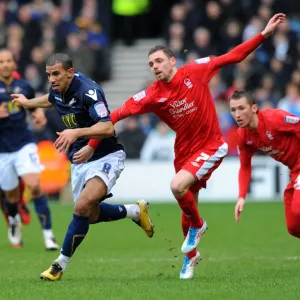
60 58
8 50
243 93
164 49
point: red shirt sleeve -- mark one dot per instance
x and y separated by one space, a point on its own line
284 121
239 53
245 153
140 103
207 67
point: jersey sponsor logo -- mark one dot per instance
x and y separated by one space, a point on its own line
12 107
69 120
270 151
92 94
179 108
249 142
188 83
203 60
101 110
139 96
291 119
269 135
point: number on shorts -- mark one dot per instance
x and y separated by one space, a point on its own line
106 168
202 156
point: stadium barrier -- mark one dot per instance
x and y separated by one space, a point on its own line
151 181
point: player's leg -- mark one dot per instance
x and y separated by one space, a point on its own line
196 171
3 206
292 220
94 190
23 209
28 168
192 258
9 183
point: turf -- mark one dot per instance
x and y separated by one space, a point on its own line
255 259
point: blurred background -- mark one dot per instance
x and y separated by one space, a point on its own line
109 41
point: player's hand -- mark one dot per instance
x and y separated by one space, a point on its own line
83 155
272 24
239 208
65 140
20 99
39 118
3 111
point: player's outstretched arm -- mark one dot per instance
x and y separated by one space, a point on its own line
38 102
240 52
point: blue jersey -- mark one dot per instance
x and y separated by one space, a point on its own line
83 105
14 132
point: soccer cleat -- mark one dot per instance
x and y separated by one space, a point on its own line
24 213
193 238
144 220
54 273
15 231
187 271
51 244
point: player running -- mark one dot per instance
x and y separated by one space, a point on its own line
84 111
18 155
181 98
276 133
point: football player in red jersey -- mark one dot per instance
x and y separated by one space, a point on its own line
276 133
181 98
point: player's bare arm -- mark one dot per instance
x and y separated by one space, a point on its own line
38 102
98 131
84 154
238 209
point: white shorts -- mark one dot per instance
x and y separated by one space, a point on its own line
17 164
108 168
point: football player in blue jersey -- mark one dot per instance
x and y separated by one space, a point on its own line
18 154
84 111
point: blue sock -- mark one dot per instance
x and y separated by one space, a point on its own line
42 209
12 208
111 212
77 230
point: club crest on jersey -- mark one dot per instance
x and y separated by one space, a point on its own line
17 90
139 96
101 110
291 119
188 83
269 135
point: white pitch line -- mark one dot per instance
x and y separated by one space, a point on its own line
103 260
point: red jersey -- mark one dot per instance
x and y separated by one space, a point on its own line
185 103
277 135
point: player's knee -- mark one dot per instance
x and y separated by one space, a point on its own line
35 189
294 231
84 205
177 188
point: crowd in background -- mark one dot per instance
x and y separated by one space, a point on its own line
191 28
195 29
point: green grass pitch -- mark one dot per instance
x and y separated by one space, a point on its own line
255 259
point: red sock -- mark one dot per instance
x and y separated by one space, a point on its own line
190 209
185 224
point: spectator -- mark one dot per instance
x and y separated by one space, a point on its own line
132 138
159 144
